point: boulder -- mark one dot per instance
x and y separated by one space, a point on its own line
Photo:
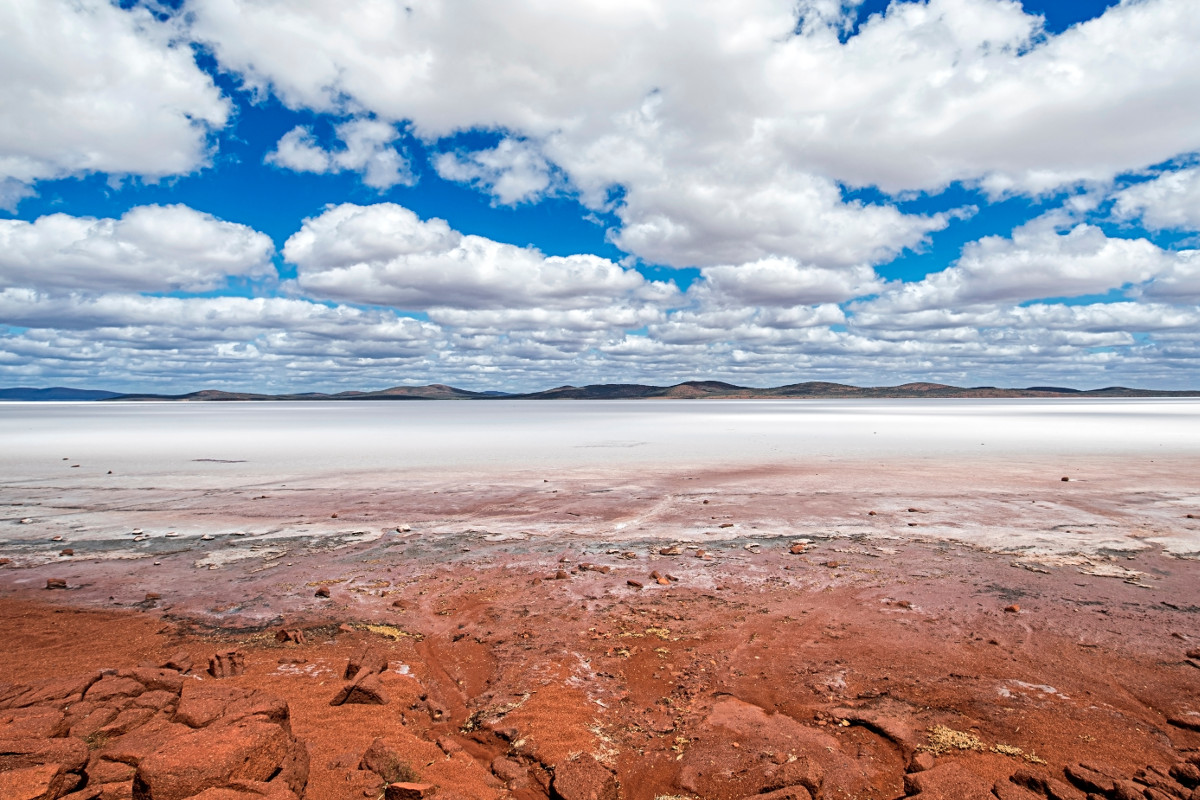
382 759
364 690
227 664
70 754
111 687
180 661
366 660
45 782
407 791
202 704
249 749
294 635
583 778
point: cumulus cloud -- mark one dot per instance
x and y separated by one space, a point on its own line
1169 202
89 87
784 282
513 171
1038 261
724 130
148 249
385 254
366 147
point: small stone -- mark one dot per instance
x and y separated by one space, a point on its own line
870 513
670 551
152 596
584 778
67 551
56 539
56 583
448 745
633 583
365 690
561 575
921 762
28 521
725 525
333 516
294 635
407 791
508 769
4 561
1193 653
398 604
1065 479
322 591
1013 609
914 511
629 554
796 549
180 661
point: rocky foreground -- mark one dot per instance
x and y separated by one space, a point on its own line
834 669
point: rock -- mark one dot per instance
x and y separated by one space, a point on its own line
1049 787
70 754
398 604
4 561
202 704
673 550
253 749
1065 478
448 745
1189 720
633 583
111 686
1089 779
294 635
407 791
152 597
364 690
322 591
385 762
561 575
509 770
788 793
1193 653
56 583
583 778
948 781
896 730
180 661
803 772
154 679
45 782
921 762
67 551
366 660
797 549
1186 773
1013 609
1126 790
1007 790
227 664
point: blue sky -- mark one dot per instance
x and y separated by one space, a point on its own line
270 195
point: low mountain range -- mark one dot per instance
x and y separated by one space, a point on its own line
608 391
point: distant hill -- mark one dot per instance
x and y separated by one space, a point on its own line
55 393
611 391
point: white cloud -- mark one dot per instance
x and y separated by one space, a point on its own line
725 133
88 87
1170 201
384 254
1039 260
784 282
148 249
366 147
513 171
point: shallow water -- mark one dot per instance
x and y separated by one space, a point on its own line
178 440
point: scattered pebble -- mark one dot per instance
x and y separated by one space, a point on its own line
1013 609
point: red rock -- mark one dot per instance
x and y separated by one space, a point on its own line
669 551
633 583
583 778
322 591
67 551
135 746
1186 773
37 722
364 690
294 635
227 664
180 661
111 686
1013 609
1193 653
803 773
56 583
102 770
152 597
948 781
448 745
251 749
126 721
509 770
561 575
1007 790
407 791
382 759
796 549
202 704
398 604
366 660
1089 779
45 782
921 762
99 716
70 754
155 679
1049 787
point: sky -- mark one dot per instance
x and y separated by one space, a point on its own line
297 195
